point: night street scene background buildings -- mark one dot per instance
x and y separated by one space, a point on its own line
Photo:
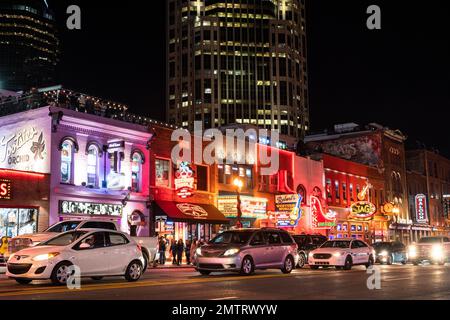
362 116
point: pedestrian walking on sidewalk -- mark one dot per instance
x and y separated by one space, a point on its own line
187 252
180 250
173 251
162 250
193 249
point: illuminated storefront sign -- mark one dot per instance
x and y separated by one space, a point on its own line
184 180
251 207
289 210
24 148
5 189
88 208
193 211
421 208
362 210
114 146
320 219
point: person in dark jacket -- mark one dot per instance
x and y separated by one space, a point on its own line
173 251
187 252
180 249
162 250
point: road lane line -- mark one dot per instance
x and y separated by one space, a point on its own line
49 290
224 298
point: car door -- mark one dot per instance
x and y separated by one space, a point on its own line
119 252
259 249
363 252
354 249
93 260
275 248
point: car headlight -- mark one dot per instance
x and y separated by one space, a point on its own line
384 253
437 252
412 251
337 254
198 251
230 252
45 256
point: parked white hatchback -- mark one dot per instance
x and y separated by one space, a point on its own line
342 254
97 253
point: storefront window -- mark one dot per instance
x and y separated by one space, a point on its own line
344 191
162 168
136 172
66 161
329 195
15 222
336 190
202 178
352 198
92 166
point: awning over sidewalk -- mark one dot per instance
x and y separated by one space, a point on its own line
190 212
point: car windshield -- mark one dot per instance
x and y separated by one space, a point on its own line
336 244
64 239
230 237
63 226
430 240
382 245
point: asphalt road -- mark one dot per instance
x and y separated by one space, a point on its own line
397 282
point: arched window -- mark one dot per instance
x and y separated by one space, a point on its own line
67 151
92 165
136 171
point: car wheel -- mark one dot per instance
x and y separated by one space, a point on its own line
61 273
23 281
339 268
301 260
416 263
204 272
288 265
247 267
97 278
314 267
370 262
134 271
348 263
404 262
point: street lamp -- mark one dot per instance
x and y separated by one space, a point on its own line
238 184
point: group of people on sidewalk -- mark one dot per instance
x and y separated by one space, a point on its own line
176 250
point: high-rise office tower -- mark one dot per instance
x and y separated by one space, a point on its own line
28 44
238 61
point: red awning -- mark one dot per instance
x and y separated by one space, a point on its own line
190 212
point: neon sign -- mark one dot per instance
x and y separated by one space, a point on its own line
320 219
5 189
362 210
421 208
184 180
290 211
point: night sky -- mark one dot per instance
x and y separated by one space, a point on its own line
398 76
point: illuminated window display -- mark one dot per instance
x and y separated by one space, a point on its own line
16 221
66 161
92 166
136 172
162 168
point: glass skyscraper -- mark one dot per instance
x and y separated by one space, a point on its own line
29 46
238 61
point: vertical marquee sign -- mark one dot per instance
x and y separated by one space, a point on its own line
421 208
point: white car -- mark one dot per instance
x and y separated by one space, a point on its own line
15 244
97 253
342 254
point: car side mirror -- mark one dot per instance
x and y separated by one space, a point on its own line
85 245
